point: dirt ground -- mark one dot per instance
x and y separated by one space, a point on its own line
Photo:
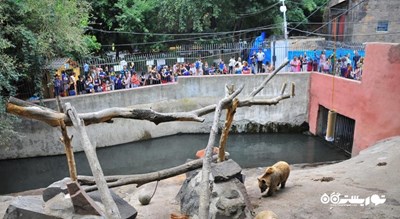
371 179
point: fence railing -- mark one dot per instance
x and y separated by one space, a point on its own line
213 53
224 51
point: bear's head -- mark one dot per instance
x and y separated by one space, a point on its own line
265 181
262 184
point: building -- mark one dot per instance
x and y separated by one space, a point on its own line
57 66
364 20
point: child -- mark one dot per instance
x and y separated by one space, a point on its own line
348 71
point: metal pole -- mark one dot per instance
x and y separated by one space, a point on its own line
284 19
283 10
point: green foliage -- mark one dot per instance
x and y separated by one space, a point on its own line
309 5
91 43
33 31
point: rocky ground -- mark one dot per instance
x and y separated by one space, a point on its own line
365 179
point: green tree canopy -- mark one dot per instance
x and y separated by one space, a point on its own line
31 32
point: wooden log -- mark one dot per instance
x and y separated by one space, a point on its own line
66 140
204 199
141 179
225 131
90 151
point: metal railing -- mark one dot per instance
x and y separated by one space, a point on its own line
344 130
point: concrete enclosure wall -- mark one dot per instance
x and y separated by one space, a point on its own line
374 103
39 139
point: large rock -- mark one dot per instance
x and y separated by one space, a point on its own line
55 202
125 209
56 188
27 207
226 170
229 198
83 204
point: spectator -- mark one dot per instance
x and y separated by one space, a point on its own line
246 68
89 84
349 70
72 85
221 67
64 83
343 67
199 67
86 69
305 62
326 66
135 82
295 64
123 71
358 71
356 58
80 85
270 68
237 69
253 60
260 59
118 82
322 61
127 80
206 69
301 59
57 85
231 64
97 83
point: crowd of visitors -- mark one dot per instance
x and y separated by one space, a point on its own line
341 66
105 78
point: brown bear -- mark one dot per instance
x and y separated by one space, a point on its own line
266 215
273 176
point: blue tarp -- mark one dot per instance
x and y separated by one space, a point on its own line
314 54
258 43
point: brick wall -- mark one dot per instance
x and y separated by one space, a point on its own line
362 20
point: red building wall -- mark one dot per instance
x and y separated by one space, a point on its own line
374 102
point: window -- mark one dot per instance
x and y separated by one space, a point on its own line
382 26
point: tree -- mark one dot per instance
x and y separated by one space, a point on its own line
248 18
32 32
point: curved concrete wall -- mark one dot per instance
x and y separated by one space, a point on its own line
39 139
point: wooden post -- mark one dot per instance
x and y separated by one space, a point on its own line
67 144
90 151
225 132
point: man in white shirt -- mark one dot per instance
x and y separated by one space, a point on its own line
232 62
260 59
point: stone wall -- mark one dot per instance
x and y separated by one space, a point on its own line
363 16
39 139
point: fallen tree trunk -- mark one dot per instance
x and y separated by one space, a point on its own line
141 179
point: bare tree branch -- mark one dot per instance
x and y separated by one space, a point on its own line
141 179
204 198
90 151
31 111
262 85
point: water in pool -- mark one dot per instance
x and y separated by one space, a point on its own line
248 150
